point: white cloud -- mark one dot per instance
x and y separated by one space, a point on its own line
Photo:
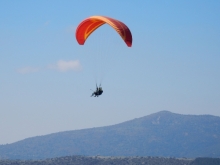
28 69
63 66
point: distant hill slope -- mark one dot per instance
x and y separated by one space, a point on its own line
161 134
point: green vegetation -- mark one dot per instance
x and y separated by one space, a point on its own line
98 160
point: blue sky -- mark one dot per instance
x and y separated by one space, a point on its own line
46 77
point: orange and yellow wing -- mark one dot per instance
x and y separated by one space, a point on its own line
87 26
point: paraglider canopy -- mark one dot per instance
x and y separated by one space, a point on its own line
87 26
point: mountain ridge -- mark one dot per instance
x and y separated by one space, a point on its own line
159 134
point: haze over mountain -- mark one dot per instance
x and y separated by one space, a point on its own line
160 134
